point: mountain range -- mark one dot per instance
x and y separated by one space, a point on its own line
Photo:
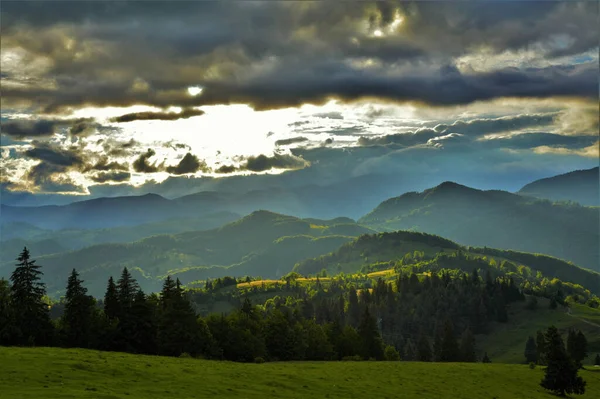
581 186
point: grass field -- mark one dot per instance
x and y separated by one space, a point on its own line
51 373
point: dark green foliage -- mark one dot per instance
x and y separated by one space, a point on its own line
577 347
8 333
370 338
391 354
561 373
485 358
79 313
540 345
424 349
31 316
597 360
531 353
467 347
111 301
450 352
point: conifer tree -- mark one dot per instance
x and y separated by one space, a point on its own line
597 360
409 353
424 349
353 308
577 347
530 350
450 349
78 313
561 373
372 345
485 358
7 322
32 318
540 344
111 301
467 346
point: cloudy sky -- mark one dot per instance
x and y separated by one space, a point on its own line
115 98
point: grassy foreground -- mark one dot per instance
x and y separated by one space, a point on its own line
60 373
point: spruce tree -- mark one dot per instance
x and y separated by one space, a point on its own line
485 358
371 343
577 347
467 347
353 308
450 349
7 322
597 360
424 349
32 318
530 350
143 332
561 372
111 301
540 345
78 313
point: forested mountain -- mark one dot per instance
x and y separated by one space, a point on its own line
44 241
262 243
581 186
496 219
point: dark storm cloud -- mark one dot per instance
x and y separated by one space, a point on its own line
118 148
103 164
262 162
478 127
420 136
292 140
188 164
53 155
142 165
23 128
104 177
163 116
249 52
226 169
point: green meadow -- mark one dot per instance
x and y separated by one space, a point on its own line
64 373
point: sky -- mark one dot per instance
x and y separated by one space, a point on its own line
108 98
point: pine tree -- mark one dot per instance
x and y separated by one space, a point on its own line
127 288
353 308
142 338
410 351
78 313
438 346
7 322
561 373
32 318
111 301
424 349
372 345
577 347
450 349
530 351
540 344
597 360
467 347
485 358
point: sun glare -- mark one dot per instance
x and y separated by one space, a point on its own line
194 90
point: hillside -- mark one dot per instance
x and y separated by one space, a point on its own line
495 219
262 243
44 242
581 186
387 250
60 373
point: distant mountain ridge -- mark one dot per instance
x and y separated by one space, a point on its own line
581 186
496 219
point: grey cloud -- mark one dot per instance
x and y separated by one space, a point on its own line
163 116
225 169
104 177
262 162
329 115
478 127
188 164
103 164
420 136
141 164
25 128
292 140
532 140
55 156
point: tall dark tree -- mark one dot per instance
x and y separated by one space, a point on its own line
7 322
31 313
467 347
143 332
177 326
424 349
353 308
77 319
540 345
450 349
530 350
485 358
561 373
577 347
111 301
371 342
597 360
127 288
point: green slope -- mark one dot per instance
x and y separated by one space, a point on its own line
496 219
60 373
262 243
581 186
